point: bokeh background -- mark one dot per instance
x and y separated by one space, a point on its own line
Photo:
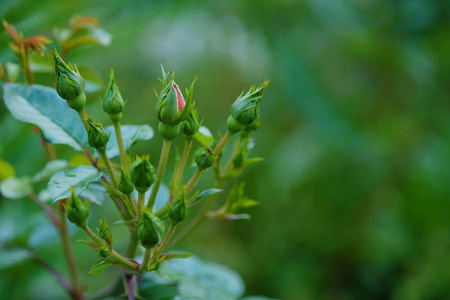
355 133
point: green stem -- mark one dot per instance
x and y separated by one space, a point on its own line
222 143
109 168
69 252
194 180
82 114
160 173
26 67
146 262
141 205
123 154
164 242
116 255
132 247
183 160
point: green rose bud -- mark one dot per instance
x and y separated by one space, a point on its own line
142 174
245 109
191 125
126 186
105 232
69 83
113 103
178 210
104 252
150 230
204 158
77 212
249 129
170 105
97 136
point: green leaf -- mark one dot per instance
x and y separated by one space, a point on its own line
12 257
42 62
50 168
252 161
205 193
12 70
6 170
16 188
43 107
130 135
204 136
86 36
79 177
95 193
170 256
99 267
92 80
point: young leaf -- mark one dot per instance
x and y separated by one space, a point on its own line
99 267
204 136
43 107
170 256
130 134
79 177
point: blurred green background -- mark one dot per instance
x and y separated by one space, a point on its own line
355 133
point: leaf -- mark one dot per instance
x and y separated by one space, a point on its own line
252 161
170 256
13 71
79 177
16 188
204 136
43 107
130 135
205 193
50 168
6 170
86 36
11 257
95 193
99 267
92 80
42 62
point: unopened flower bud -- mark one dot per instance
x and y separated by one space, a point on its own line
150 230
113 103
97 136
105 232
250 128
204 158
104 252
69 83
178 210
77 212
126 186
170 105
245 109
191 125
142 174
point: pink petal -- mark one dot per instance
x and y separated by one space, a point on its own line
181 103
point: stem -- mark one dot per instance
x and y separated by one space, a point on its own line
120 259
26 67
183 160
82 115
194 180
49 150
222 143
123 154
68 251
164 242
160 173
109 168
47 209
132 247
141 201
146 262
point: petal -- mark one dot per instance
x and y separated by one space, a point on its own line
180 99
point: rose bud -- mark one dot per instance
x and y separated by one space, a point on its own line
191 125
245 109
77 212
69 83
113 103
97 136
150 230
105 232
249 129
204 158
142 174
126 186
178 210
